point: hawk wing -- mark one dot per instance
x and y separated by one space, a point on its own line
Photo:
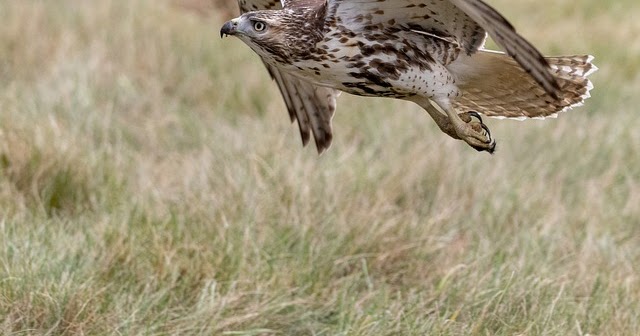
466 21
311 105
515 45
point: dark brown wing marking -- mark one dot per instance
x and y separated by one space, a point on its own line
514 44
467 21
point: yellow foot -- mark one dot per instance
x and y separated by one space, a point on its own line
474 132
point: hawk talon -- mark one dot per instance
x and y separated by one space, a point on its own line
492 143
487 131
489 150
479 135
468 116
476 115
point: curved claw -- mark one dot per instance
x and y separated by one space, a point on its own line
476 114
489 145
492 143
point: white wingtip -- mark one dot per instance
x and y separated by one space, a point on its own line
593 69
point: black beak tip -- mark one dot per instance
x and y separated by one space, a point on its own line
226 29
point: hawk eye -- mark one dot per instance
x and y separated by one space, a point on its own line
259 25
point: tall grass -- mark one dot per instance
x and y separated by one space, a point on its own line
150 183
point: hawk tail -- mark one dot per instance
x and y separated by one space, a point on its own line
494 84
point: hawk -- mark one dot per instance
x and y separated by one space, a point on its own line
430 52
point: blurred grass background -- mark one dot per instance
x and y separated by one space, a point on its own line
150 183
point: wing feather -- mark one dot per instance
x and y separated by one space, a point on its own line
466 21
438 17
294 106
311 106
317 102
514 44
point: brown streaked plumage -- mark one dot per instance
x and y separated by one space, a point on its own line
426 51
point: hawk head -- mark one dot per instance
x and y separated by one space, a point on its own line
276 35
267 32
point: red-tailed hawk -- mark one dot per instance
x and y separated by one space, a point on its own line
426 51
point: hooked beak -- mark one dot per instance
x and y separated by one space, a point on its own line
229 28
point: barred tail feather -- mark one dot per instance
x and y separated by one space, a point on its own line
495 85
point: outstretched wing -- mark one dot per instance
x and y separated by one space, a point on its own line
515 45
311 105
465 21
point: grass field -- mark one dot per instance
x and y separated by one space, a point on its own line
151 184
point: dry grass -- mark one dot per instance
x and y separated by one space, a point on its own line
151 184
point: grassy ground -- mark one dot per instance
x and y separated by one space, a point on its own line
150 184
